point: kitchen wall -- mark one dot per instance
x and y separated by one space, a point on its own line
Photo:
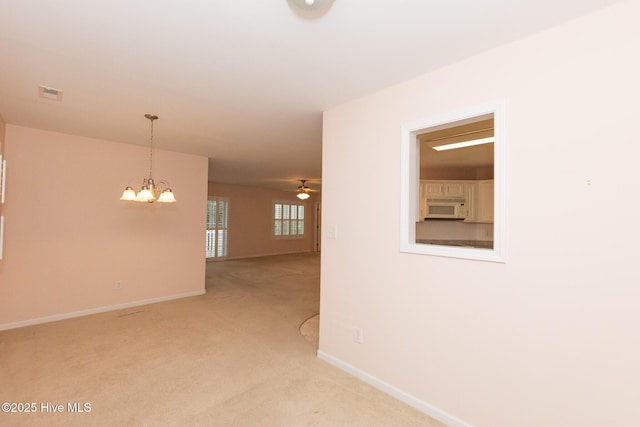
68 237
250 220
457 173
549 338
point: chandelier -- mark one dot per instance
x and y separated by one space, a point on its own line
150 188
303 191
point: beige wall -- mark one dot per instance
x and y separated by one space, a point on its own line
549 338
250 220
68 238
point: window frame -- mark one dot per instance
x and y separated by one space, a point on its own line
297 227
410 185
216 229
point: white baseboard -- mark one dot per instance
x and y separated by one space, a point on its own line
63 316
395 392
259 255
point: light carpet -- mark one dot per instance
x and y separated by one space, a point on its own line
232 357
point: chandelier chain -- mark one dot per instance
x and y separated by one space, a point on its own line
151 151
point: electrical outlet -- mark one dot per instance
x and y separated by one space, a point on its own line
118 284
357 336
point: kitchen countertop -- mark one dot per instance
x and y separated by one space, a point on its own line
484 244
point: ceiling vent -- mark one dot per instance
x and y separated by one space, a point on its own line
50 93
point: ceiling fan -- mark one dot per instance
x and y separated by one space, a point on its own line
303 190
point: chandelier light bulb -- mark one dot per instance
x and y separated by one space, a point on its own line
167 196
128 194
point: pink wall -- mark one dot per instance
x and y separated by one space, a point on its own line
68 238
250 220
549 338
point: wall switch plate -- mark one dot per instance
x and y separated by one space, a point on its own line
332 231
118 284
357 336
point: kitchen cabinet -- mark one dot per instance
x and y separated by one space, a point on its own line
479 197
431 189
439 190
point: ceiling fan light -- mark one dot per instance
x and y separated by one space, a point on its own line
303 190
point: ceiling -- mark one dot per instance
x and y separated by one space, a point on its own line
477 156
243 83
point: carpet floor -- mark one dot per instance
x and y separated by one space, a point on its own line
233 357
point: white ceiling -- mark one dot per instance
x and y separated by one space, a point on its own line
241 82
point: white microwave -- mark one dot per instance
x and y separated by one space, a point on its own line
446 209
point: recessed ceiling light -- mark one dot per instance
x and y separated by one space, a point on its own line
50 93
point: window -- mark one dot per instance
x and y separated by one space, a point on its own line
478 231
288 220
217 218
